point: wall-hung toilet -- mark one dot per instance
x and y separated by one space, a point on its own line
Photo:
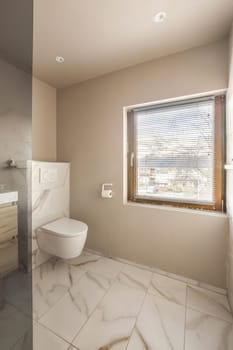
64 238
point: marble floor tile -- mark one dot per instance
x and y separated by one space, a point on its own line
111 324
84 259
72 311
43 339
97 303
168 288
209 302
51 281
13 325
57 271
135 277
160 325
25 342
17 291
108 268
204 332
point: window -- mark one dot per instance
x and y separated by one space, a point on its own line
175 153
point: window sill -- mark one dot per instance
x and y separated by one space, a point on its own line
180 210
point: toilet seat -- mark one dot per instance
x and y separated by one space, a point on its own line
65 227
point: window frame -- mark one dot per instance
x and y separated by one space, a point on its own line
219 178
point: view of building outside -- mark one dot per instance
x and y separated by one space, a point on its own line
175 152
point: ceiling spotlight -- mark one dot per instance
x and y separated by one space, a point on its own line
60 59
160 17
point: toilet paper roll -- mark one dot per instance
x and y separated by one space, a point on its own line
107 194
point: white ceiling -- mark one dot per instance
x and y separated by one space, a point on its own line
100 36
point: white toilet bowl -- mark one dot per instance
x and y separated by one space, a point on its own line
64 238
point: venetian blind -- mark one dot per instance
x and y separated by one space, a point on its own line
174 151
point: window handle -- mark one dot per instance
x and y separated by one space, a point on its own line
131 159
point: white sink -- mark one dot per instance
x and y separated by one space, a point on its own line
8 197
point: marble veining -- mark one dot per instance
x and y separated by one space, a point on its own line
135 277
43 340
18 292
13 324
51 281
173 276
113 320
84 259
24 342
76 306
40 200
168 288
206 332
160 325
96 303
209 302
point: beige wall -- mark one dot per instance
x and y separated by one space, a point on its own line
90 136
43 121
230 172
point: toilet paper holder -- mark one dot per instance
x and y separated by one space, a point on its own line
106 190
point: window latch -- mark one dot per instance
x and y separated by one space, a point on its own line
131 159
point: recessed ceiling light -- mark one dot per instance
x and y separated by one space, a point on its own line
60 59
160 17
